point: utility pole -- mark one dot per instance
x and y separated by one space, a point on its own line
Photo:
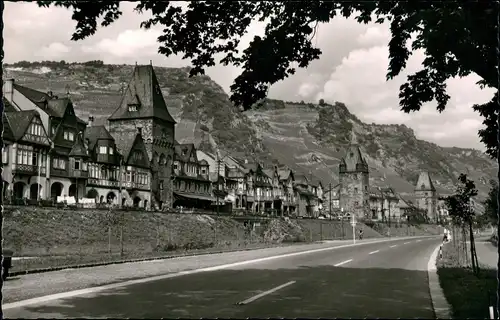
330 192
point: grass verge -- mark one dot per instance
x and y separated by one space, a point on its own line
469 295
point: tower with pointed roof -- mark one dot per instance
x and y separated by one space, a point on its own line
354 181
144 110
426 195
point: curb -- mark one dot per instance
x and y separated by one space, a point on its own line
439 303
106 263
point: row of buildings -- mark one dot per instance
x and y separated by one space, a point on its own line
135 160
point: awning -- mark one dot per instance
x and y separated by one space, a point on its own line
182 195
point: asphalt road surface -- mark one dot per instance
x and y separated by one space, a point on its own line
378 280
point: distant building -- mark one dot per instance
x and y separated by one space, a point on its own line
354 183
143 108
426 196
192 187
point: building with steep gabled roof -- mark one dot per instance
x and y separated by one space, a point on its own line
143 107
26 162
192 185
426 196
354 183
119 167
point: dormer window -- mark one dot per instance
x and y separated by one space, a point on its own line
111 150
133 107
103 150
69 136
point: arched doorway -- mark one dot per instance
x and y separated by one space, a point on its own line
137 200
110 198
19 190
56 190
101 199
72 190
237 202
145 204
93 194
35 191
124 200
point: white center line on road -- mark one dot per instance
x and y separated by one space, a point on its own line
393 246
265 293
419 240
406 243
373 252
342 263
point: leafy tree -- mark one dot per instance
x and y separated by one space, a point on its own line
321 102
459 38
459 207
491 204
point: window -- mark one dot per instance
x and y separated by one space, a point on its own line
36 128
5 154
27 155
176 166
203 170
53 130
132 107
138 156
77 164
103 150
69 136
58 163
161 184
355 190
111 150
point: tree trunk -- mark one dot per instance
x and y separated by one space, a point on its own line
109 239
1 141
475 266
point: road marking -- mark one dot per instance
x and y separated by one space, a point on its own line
373 252
338 264
69 294
406 243
265 293
419 240
393 246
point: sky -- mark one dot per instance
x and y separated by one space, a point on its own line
351 70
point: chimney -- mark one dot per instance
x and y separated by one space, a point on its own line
139 130
8 89
91 120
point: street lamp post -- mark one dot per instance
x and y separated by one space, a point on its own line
342 222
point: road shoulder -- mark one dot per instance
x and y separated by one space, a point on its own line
439 302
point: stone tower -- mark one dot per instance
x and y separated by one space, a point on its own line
426 195
354 182
143 108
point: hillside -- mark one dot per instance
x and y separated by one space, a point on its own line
308 138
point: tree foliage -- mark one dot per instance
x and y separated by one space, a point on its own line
491 204
458 38
458 204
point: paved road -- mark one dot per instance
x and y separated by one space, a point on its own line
383 280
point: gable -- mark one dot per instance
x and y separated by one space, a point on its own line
35 132
138 155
